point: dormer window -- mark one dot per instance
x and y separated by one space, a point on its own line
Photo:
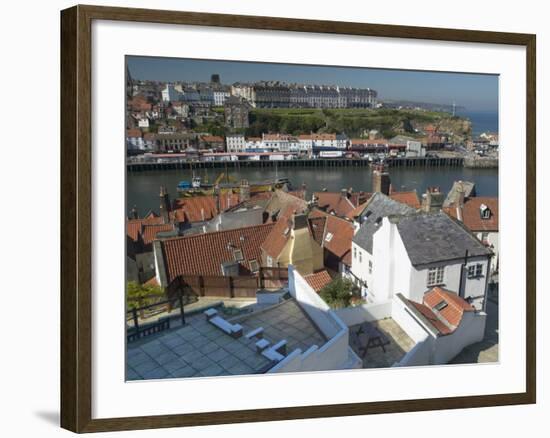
238 255
484 211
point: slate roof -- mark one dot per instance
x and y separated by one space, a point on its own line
203 254
469 189
435 237
378 207
409 198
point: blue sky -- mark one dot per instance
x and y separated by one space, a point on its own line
475 92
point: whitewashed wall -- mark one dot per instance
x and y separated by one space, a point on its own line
366 312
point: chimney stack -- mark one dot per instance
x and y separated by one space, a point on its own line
432 200
244 191
165 207
381 179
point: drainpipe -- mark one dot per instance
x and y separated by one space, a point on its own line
461 284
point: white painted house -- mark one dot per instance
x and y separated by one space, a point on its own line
235 143
411 253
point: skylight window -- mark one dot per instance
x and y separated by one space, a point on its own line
441 305
329 237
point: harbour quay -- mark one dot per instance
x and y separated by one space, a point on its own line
172 164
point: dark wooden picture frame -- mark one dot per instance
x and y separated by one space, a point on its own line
76 218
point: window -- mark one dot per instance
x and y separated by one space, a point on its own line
238 255
355 252
360 258
254 265
435 276
475 271
370 266
441 305
328 237
484 211
269 261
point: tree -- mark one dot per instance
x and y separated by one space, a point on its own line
140 295
338 292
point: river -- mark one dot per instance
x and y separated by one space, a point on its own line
143 187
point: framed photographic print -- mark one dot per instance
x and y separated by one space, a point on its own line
268 218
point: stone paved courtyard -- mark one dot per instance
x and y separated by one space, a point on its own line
399 345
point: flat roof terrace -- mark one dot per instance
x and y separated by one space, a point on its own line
201 349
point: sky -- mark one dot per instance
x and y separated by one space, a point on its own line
475 92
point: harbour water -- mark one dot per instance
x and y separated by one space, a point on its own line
143 187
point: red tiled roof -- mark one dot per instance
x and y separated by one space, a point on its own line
203 254
409 198
317 137
455 308
432 318
448 318
212 138
317 226
342 234
335 202
149 232
202 208
471 216
279 235
318 280
133 132
134 226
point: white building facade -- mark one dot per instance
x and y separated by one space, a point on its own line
401 261
235 143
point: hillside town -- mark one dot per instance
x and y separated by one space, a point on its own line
276 121
279 279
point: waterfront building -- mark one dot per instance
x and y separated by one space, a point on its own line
174 141
212 142
413 252
134 140
280 143
235 143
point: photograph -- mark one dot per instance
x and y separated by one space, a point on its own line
286 218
